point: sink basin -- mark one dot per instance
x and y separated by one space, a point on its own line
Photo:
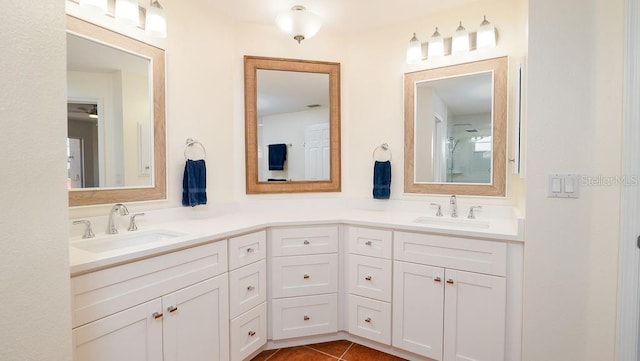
452 222
114 242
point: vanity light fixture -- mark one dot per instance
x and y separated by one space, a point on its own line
436 45
460 41
299 22
99 7
127 12
414 50
486 37
156 20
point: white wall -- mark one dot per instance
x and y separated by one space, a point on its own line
34 259
574 126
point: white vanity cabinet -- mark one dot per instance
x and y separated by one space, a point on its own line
247 294
304 281
449 297
369 283
170 307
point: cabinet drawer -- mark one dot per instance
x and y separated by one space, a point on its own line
370 319
248 332
304 240
247 249
105 292
452 252
304 275
247 287
305 316
370 277
370 242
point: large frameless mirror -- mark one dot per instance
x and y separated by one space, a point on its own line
115 117
455 129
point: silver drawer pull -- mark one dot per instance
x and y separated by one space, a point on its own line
450 281
250 288
437 279
306 242
306 277
172 309
252 333
157 315
250 250
368 278
367 320
306 318
368 243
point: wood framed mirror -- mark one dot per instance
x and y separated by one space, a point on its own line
292 125
455 129
116 117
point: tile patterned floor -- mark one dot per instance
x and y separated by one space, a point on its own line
327 351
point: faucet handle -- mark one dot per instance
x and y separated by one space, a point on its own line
439 211
88 232
132 222
471 215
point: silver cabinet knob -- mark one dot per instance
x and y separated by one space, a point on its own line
306 318
252 333
306 276
250 288
250 250
306 242
368 278
172 309
367 320
437 279
157 315
450 281
368 243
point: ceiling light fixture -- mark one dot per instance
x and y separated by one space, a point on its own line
127 12
99 7
299 22
156 20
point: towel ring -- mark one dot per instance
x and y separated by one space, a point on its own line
190 143
384 147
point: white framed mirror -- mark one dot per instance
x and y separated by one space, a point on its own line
455 129
116 117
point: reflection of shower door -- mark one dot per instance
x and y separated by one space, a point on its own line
439 155
75 171
316 152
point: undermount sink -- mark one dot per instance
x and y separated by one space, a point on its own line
452 222
114 242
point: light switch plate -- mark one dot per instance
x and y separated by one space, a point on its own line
564 186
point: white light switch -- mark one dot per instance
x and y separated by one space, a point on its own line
556 185
563 186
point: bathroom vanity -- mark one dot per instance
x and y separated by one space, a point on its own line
229 286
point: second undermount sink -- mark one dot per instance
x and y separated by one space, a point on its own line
452 222
114 242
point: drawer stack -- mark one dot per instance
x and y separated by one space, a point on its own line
304 281
369 281
247 294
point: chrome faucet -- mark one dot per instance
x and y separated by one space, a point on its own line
121 210
454 206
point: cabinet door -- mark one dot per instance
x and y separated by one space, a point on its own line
130 335
196 322
474 317
418 294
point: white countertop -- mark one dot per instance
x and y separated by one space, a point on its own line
211 225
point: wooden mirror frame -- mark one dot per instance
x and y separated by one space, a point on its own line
158 190
253 184
499 131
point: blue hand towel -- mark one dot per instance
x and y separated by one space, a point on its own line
382 180
194 183
277 156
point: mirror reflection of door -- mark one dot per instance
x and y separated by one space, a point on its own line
316 151
82 144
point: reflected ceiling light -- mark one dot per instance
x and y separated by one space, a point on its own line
486 37
93 113
414 50
299 22
436 45
94 6
460 41
127 12
156 20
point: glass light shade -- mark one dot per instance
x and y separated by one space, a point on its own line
94 6
436 45
156 21
460 42
486 36
414 50
127 12
299 22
